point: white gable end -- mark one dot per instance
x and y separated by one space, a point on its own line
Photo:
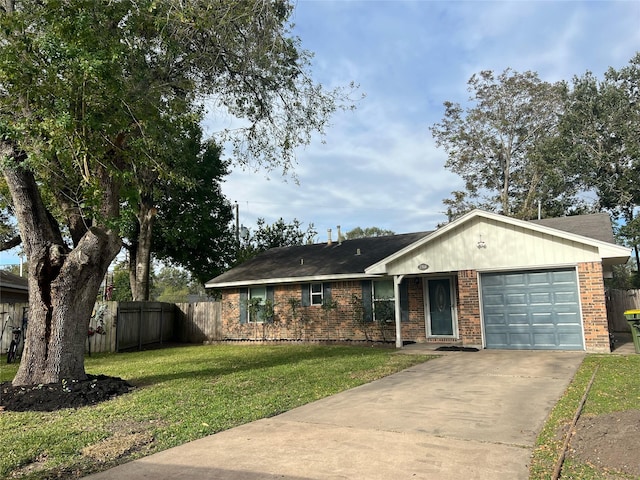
487 242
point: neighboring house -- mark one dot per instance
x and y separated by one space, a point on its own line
13 288
484 280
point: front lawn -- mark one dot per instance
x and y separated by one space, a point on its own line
616 389
182 394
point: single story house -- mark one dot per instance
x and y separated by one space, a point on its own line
484 280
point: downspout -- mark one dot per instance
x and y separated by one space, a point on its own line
397 280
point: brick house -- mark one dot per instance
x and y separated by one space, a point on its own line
484 280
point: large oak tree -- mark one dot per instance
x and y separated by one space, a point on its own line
600 133
91 95
503 145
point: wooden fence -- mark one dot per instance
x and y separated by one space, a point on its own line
11 317
134 325
144 323
104 323
617 302
198 322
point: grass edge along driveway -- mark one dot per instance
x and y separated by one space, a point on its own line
182 394
616 388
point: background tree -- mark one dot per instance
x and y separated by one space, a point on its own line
600 130
194 226
359 232
174 284
121 286
92 95
503 147
183 217
278 234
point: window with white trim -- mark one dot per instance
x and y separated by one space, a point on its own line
316 293
384 309
256 302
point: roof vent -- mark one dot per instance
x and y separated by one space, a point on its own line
357 251
329 242
339 236
302 261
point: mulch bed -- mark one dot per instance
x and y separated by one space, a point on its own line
54 396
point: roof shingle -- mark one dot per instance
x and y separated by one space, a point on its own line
346 257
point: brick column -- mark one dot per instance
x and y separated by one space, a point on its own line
594 307
469 321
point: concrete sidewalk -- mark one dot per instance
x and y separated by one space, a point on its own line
465 415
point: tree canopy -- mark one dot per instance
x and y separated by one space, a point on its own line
359 232
193 228
600 130
278 234
503 145
94 95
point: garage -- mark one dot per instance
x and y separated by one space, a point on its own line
532 310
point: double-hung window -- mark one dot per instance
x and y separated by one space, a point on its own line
384 309
256 302
316 294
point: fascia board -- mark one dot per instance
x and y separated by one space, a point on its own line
283 280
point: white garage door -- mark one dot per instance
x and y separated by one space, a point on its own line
534 310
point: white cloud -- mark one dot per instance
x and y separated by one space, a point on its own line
379 166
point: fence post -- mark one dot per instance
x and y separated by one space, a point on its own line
118 328
161 321
140 327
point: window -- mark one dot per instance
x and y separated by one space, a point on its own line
316 294
384 309
256 303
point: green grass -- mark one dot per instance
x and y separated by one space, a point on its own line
183 394
616 388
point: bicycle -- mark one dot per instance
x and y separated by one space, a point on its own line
17 333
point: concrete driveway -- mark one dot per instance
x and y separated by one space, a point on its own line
465 415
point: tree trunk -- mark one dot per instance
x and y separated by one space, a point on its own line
140 255
61 299
63 282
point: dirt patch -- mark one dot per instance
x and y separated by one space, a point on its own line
609 441
117 446
66 394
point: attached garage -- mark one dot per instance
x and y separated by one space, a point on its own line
535 310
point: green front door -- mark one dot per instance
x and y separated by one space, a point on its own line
440 318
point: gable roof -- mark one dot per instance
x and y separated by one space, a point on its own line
347 259
589 230
368 257
596 225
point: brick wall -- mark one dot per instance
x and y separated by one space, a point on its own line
313 323
594 309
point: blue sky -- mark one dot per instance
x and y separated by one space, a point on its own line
379 165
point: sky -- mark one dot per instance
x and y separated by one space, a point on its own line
378 165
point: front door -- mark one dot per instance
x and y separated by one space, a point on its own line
440 314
